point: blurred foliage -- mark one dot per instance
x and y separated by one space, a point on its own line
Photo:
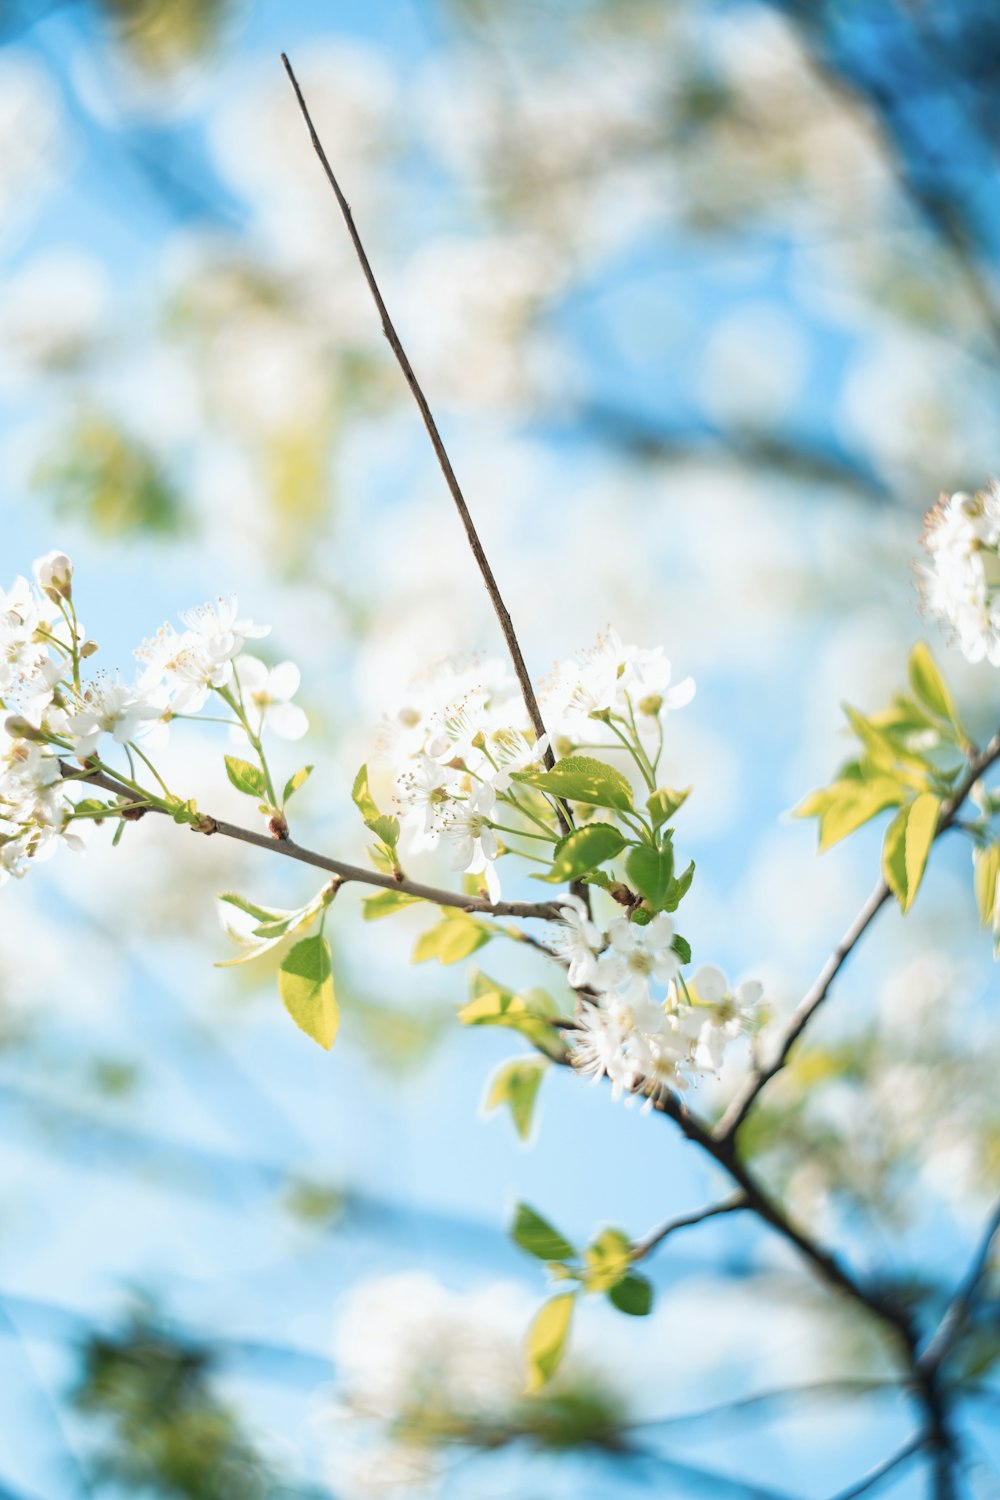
170 1434
97 473
161 35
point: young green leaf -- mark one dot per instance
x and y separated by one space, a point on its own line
537 1236
385 903
930 687
847 805
362 797
907 844
607 1260
632 1295
986 865
516 1084
455 937
305 984
530 1014
294 782
245 777
580 778
545 1343
582 851
664 803
651 872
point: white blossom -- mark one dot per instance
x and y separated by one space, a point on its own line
576 941
638 955
466 829
109 707
54 575
961 584
267 692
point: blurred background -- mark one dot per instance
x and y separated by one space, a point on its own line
706 299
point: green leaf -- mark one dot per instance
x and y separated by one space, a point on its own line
583 851
680 887
545 1343
580 778
531 1014
986 867
305 984
385 828
516 1084
245 777
455 937
651 871
607 1259
885 749
848 804
664 803
362 797
907 844
385 903
537 1236
930 687
294 782
632 1295
682 948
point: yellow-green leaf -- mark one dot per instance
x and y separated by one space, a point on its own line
608 1258
907 844
986 865
385 904
455 937
850 804
516 1084
305 984
546 1339
930 687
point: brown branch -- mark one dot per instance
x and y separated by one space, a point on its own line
649 1243
760 1077
959 1310
506 624
543 910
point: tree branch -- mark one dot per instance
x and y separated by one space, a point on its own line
873 1477
543 910
952 1325
759 1078
656 1237
506 624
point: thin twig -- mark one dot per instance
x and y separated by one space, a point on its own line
872 1478
741 1405
542 910
951 1327
506 624
656 1237
758 1080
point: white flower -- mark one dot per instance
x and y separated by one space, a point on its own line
421 795
512 751
466 827
637 955
108 707
962 583
576 941
220 634
54 575
599 1044
266 694
612 678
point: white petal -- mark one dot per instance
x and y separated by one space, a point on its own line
681 693
287 720
284 681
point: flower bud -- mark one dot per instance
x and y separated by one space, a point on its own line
54 574
89 648
20 728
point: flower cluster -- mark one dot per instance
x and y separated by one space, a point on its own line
459 738
643 1026
61 724
612 683
961 584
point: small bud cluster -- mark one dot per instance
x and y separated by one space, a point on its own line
961 584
